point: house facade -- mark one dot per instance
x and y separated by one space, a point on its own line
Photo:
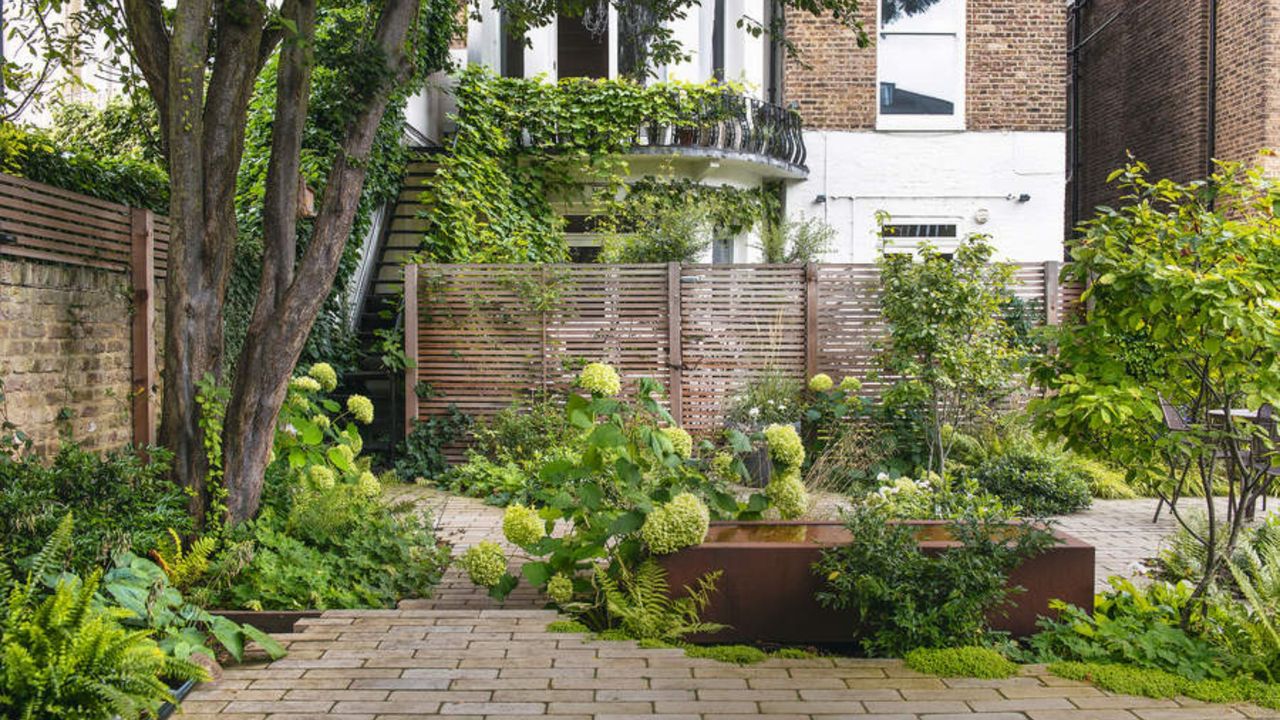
952 122
1177 83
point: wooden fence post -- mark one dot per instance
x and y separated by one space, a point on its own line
1052 292
410 347
143 280
675 349
810 320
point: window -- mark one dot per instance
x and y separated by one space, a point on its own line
905 236
511 51
920 61
722 251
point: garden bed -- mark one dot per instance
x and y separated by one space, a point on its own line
767 592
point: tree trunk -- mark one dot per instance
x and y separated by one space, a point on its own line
283 315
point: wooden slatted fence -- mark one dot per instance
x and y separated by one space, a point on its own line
45 223
489 335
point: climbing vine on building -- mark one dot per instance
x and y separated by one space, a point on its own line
524 146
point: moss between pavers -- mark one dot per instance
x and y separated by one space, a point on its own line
973 662
1130 680
736 654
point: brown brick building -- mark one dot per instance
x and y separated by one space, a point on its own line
1174 82
952 122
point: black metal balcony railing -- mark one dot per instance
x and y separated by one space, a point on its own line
733 124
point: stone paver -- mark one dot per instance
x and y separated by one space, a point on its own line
461 655
501 663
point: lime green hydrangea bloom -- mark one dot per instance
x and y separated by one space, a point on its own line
324 374
484 562
361 408
600 379
850 384
677 524
346 452
560 589
321 421
321 476
821 382
368 484
304 384
722 466
787 493
680 440
522 525
354 440
785 446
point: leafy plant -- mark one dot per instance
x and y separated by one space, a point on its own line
903 599
640 605
796 241
180 628
948 342
184 566
1180 306
769 398
1036 482
421 453
63 656
1134 626
122 500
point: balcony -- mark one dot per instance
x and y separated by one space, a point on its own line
732 129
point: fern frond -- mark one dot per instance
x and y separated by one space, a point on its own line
53 555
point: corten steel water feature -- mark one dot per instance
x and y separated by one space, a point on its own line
766 593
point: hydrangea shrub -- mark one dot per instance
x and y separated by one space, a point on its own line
675 525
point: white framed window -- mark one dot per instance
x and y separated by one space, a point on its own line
920 65
904 234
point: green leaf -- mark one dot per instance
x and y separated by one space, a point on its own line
537 573
607 435
627 522
339 459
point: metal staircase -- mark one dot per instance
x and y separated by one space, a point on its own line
377 291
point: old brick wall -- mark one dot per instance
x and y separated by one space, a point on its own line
1015 68
1144 88
65 350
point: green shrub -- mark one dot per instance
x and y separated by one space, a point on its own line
904 599
421 454
496 483
128 180
326 548
64 656
1132 626
1036 483
522 431
120 501
973 662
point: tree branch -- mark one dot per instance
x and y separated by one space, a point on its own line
280 203
149 40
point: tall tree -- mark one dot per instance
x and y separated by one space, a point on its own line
200 60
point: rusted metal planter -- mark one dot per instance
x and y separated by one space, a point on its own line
767 591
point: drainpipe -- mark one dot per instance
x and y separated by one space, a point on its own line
1211 99
1073 99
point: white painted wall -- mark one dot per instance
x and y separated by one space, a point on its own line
936 178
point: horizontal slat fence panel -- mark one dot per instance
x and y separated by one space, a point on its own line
50 224
489 335
737 321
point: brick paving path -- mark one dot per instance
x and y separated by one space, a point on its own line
460 654
385 664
